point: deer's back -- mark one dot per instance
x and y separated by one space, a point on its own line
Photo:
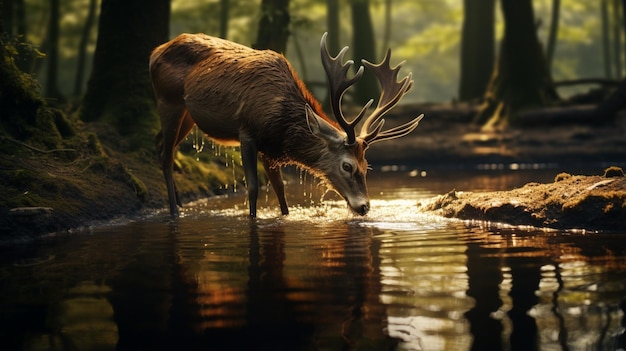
224 85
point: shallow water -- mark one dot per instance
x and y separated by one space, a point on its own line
320 278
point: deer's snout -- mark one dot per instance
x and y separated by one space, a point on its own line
361 208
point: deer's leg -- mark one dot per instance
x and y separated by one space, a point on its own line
185 127
276 179
172 117
249 160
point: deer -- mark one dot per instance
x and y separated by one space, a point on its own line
239 96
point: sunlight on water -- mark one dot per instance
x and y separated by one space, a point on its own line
320 278
422 267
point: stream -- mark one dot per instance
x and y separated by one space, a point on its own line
320 278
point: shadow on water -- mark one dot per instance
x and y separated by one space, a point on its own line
319 279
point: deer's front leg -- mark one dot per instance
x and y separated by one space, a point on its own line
249 159
276 179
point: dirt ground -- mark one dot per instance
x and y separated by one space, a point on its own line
46 191
571 202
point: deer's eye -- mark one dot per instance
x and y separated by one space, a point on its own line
347 167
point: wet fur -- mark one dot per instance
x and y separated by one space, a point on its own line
231 91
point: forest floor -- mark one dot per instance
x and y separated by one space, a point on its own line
50 191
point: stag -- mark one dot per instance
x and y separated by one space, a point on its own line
253 98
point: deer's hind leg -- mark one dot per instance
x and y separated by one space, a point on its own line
175 125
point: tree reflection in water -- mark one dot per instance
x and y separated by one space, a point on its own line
316 280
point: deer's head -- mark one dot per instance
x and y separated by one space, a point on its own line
345 168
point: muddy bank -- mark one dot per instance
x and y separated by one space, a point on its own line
570 202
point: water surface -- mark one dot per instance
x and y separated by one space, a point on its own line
320 278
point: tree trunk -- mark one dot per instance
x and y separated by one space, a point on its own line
554 30
606 111
119 91
82 47
8 15
521 78
332 19
606 39
224 17
364 47
273 26
52 56
477 48
387 32
617 39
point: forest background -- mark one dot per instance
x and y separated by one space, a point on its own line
580 46
426 34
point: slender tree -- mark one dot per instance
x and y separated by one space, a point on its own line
332 21
119 91
521 78
606 39
477 48
273 26
224 17
617 38
8 14
364 47
554 30
387 32
82 47
14 17
52 56
606 111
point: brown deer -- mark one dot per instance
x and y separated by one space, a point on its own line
253 98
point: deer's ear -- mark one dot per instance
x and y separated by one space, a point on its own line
320 127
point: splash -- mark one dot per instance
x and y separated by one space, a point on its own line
198 141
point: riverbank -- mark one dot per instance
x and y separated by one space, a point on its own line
54 190
570 202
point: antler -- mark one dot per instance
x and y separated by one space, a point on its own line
392 92
338 82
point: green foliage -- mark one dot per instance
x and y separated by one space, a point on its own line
203 16
424 33
579 44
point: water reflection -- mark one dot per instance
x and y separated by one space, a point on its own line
318 279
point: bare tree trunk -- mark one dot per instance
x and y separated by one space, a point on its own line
521 79
52 85
273 26
553 34
617 39
8 15
477 48
364 47
606 39
224 17
387 32
332 19
119 91
606 111
82 47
